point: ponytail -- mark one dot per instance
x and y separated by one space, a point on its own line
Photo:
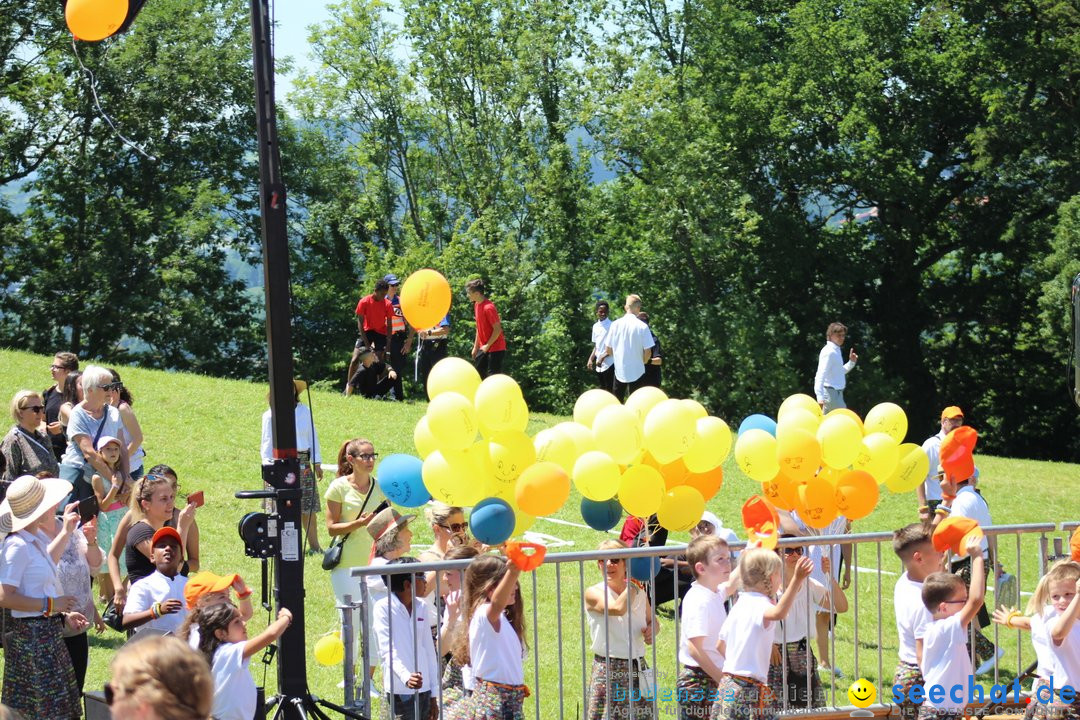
350 447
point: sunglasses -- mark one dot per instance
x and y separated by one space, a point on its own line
34 408
793 551
455 527
112 386
366 457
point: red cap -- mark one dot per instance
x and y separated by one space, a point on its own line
953 533
167 532
956 450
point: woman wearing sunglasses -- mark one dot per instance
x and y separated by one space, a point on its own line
91 419
27 450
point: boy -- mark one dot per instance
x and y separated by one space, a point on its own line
157 601
373 379
913 545
942 642
410 668
703 615
793 638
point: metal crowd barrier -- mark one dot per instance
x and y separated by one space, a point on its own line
563 618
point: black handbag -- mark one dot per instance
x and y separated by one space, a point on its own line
112 617
332 555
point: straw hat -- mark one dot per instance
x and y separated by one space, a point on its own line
29 498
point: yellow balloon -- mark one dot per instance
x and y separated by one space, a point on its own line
888 418
329 650
522 522
841 440
542 489
798 453
712 445
755 454
596 475
581 435
453 479
641 490
511 452
799 419
878 456
452 421
424 441
849 414
670 430
696 408
425 298
94 20
644 399
911 469
589 403
495 400
817 503
553 445
519 415
453 374
799 401
617 432
681 508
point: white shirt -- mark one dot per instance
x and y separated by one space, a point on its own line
620 636
911 616
831 370
466 670
628 339
307 440
153 588
794 627
703 616
25 564
396 649
748 637
932 447
816 552
945 661
970 504
599 339
234 688
1066 656
1040 640
495 656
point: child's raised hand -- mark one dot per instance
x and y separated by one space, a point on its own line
974 546
285 614
803 568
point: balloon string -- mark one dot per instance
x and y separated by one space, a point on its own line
97 104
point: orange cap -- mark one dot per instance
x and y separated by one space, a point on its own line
952 412
761 522
204 583
956 450
953 534
1074 545
167 532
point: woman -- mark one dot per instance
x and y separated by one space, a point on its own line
71 396
159 678
63 364
91 419
350 503
39 679
310 457
121 399
449 529
26 450
620 624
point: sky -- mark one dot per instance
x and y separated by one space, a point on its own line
291 37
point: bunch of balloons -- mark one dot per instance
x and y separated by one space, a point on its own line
823 466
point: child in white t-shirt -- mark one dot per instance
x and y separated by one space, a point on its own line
942 643
915 548
703 615
746 639
223 640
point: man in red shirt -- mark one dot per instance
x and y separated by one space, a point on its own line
489 347
374 320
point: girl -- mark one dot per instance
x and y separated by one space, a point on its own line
72 395
746 639
493 644
121 399
159 678
224 641
113 499
457 680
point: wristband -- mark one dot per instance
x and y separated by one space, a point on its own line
942 510
948 498
47 605
155 611
1009 618
243 595
924 508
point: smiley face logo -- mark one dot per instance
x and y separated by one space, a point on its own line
862 693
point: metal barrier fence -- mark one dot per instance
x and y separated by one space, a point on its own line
557 653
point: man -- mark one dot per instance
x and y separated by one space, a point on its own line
374 322
489 346
630 344
599 358
63 364
432 349
929 491
831 376
373 379
653 375
401 337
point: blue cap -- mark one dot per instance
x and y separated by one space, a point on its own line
391 279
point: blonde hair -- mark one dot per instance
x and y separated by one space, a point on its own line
165 674
1061 571
19 399
144 490
612 544
438 513
757 566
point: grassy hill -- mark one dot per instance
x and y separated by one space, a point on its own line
208 430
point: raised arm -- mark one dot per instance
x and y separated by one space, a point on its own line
272 632
977 591
503 595
780 610
1062 625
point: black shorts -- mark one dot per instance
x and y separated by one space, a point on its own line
376 338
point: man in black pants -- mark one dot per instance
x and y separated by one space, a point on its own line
401 337
433 342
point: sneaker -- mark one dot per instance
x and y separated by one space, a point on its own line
988 664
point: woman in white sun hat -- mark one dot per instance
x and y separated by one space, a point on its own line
39 679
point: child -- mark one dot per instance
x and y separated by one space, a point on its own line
457 680
410 668
157 600
493 645
915 548
223 641
703 614
746 639
391 538
792 656
373 378
204 589
113 501
941 643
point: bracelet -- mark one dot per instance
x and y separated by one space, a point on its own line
1009 618
47 606
942 510
155 611
948 498
243 595
924 508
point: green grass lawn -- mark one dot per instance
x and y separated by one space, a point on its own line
208 430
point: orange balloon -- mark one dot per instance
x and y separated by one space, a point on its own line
707 483
817 503
782 492
95 20
542 489
798 452
856 494
425 298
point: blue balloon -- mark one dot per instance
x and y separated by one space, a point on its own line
492 521
401 480
601 515
644 569
759 422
